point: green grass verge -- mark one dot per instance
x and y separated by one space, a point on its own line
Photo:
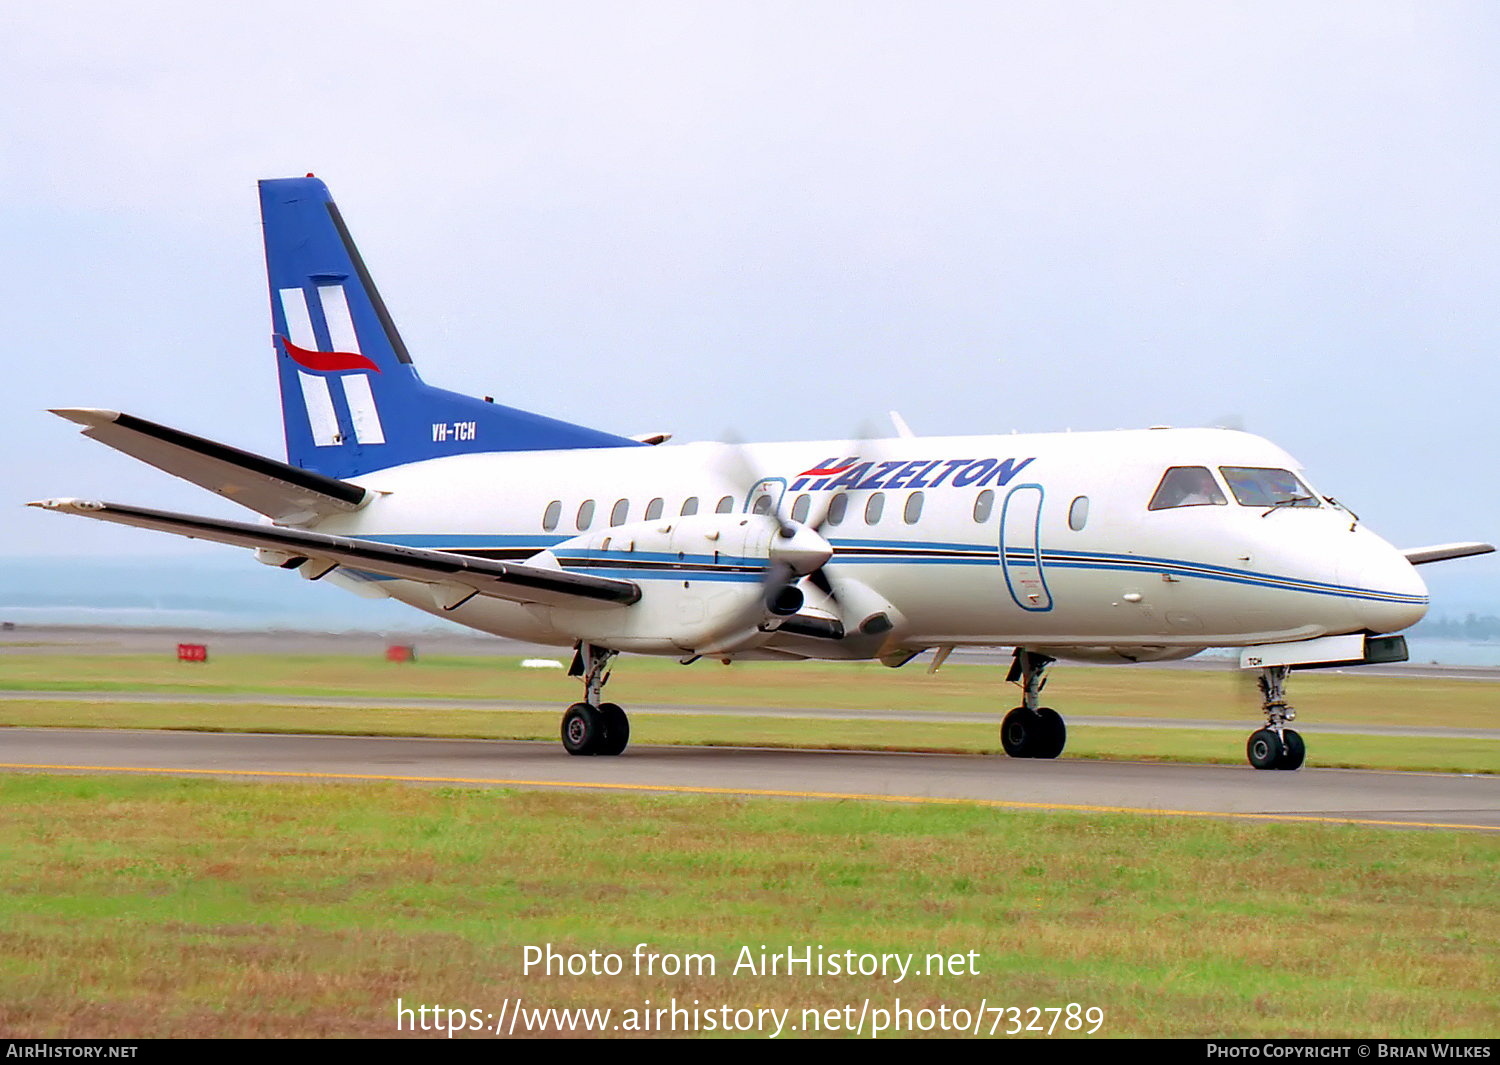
155 907
1124 691
1432 754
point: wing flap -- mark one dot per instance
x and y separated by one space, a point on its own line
280 491
502 580
1418 556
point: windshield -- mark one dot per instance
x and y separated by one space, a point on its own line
1256 487
1187 486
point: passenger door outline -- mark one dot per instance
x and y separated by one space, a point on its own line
1021 548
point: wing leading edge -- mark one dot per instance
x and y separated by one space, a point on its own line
457 578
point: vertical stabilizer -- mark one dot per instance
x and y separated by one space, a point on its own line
351 400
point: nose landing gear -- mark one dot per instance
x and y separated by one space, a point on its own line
1275 746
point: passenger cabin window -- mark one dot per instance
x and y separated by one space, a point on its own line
585 514
618 515
1078 514
984 503
837 509
725 505
874 508
1187 486
654 508
1256 487
553 515
762 505
689 506
801 507
913 512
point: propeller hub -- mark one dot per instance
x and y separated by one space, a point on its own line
800 548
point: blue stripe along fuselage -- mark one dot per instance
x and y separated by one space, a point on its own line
645 565
901 552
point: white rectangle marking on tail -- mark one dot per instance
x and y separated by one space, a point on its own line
298 322
321 418
336 314
367 427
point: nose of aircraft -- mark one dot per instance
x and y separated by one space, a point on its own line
1389 595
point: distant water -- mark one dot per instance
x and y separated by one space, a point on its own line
375 617
209 595
1453 652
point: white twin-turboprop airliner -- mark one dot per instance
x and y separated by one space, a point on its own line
1127 546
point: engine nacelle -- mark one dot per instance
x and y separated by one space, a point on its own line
710 583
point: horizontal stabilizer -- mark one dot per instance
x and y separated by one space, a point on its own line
502 580
281 492
1443 552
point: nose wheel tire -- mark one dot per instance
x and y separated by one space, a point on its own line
1038 733
1267 750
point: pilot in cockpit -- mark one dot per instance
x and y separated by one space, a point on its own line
1198 487
1187 486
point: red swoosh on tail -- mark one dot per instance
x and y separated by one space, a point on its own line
326 361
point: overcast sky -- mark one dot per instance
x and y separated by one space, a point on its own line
778 220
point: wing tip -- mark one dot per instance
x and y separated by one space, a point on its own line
91 416
67 504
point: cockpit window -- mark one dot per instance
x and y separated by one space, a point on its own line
1187 486
1256 487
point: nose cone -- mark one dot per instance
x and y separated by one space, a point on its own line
1388 594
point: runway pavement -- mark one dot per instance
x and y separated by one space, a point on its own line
1413 800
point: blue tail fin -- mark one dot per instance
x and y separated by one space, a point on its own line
351 401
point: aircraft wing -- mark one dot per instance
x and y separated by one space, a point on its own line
456 578
1443 552
280 491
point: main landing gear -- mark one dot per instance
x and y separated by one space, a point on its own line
1030 730
1275 746
594 727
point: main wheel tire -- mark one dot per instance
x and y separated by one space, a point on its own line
1018 733
1293 752
616 728
582 729
1052 733
1264 749
1036 733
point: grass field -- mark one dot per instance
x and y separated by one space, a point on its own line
1117 693
1123 691
202 908
162 907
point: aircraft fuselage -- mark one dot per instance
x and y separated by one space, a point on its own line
1044 540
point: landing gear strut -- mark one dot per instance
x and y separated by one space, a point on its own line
1275 746
1031 730
594 727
